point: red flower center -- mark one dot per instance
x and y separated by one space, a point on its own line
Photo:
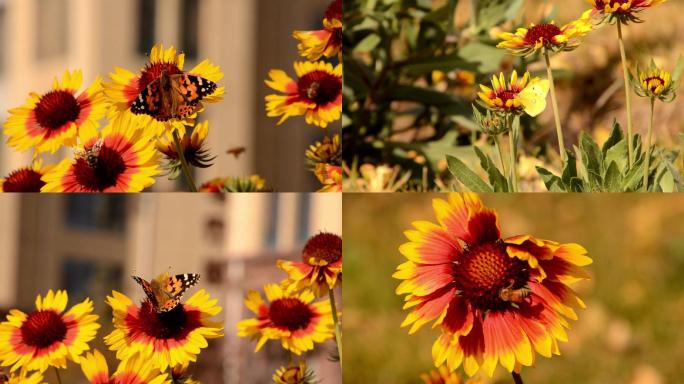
100 172
153 71
57 108
320 87
507 95
652 87
334 10
23 180
484 271
290 313
41 329
324 246
542 32
175 324
601 4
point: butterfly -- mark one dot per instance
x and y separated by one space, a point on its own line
165 291
172 96
533 97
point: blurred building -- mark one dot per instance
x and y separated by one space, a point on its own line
40 39
91 245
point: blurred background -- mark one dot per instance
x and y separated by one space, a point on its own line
40 39
630 332
90 245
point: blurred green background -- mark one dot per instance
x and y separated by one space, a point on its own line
629 333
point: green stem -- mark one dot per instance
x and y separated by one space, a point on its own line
184 163
516 378
514 155
554 105
628 96
59 378
647 150
336 322
497 144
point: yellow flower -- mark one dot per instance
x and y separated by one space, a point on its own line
26 179
520 95
47 336
326 42
132 371
288 317
121 158
316 94
22 378
196 154
623 11
253 183
327 151
48 121
294 374
321 265
126 87
442 375
657 83
330 176
526 41
163 339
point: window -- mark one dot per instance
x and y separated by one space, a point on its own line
84 277
304 213
189 28
272 228
53 28
147 10
93 212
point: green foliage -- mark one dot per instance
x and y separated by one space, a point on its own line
605 169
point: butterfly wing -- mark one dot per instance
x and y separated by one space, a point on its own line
533 97
147 288
174 288
149 101
188 92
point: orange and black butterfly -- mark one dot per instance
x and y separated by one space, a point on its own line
172 96
166 291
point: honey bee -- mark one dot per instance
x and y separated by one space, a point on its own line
90 155
312 92
516 296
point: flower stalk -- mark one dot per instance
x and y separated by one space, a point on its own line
554 105
59 378
336 322
513 144
516 378
187 172
628 96
647 150
497 144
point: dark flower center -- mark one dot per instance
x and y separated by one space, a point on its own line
55 109
542 32
507 95
154 71
97 173
484 271
652 87
334 10
323 246
601 4
290 313
23 180
41 329
320 87
175 324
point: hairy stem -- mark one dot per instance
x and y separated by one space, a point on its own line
554 105
59 378
628 95
336 322
516 378
184 163
647 150
514 155
501 157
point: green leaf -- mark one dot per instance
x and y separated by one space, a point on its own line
613 179
615 137
591 154
466 176
496 179
551 181
618 154
633 178
676 176
488 57
570 170
368 43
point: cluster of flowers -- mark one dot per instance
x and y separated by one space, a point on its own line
504 101
316 94
494 300
147 134
152 347
290 313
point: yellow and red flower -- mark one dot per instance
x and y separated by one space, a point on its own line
496 300
325 42
165 339
329 151
526 41
253 183
442 375
132 371
330 176
656 83
194 150
22 378
122 158
288 317
125 87
48 121
26 179
518 96
294 374
321 267
623 11
48 336
316 94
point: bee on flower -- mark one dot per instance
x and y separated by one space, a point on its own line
325 42
623 11
656 83
134 370
496 300
520 95
549 36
